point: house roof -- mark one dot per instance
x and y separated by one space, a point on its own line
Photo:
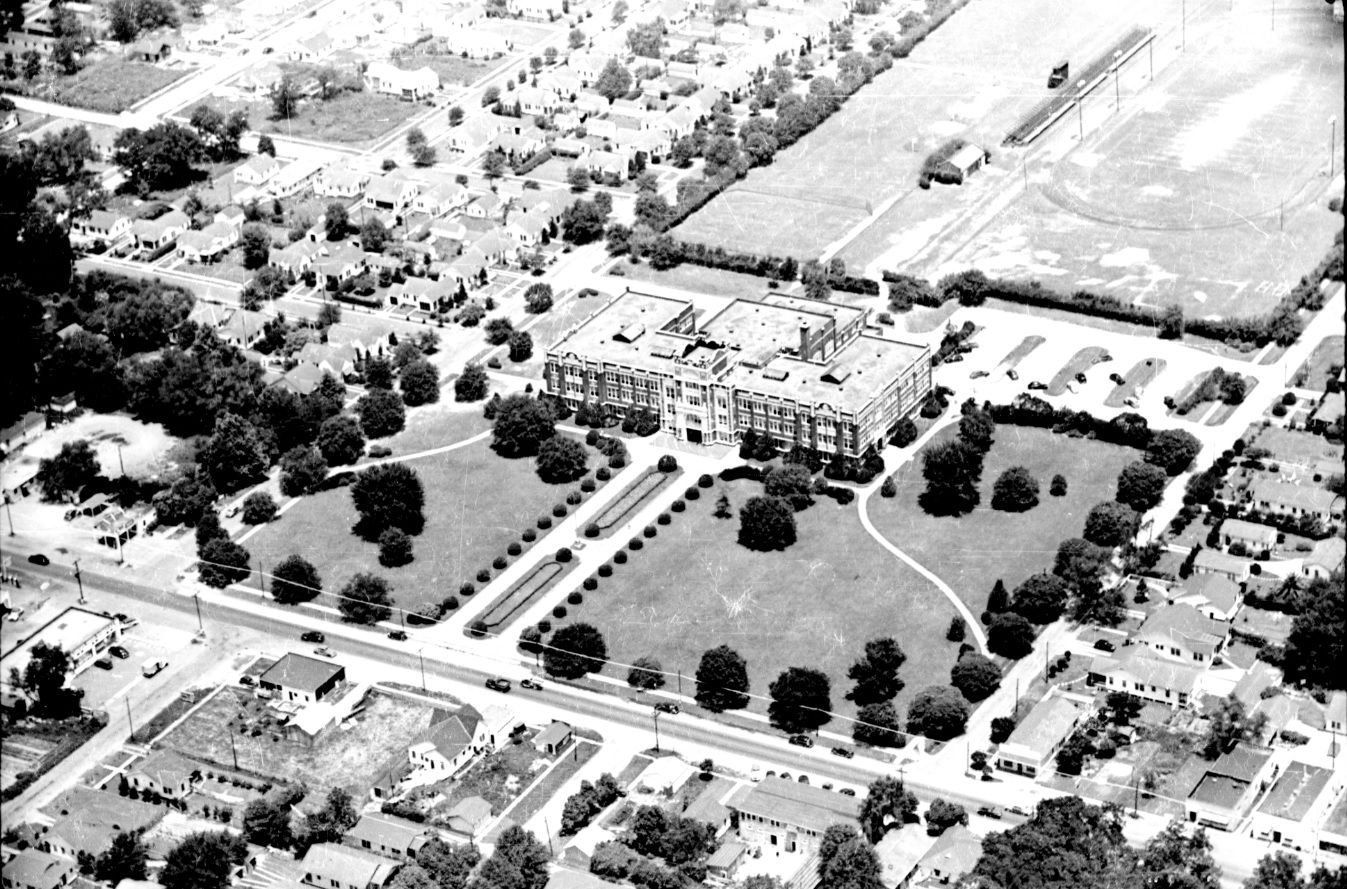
303 378
727 855
166 768
37 869
1215 560
301 672
87 819
898 852
1308 497
387 831
956 852
1250 687
1186 625
261 164
1044 728
1217 589
331 862
1328 553
1242 530
565 878
554 734
1144 666
468 814
450 735
709 806
1244 762
1219 791
799 805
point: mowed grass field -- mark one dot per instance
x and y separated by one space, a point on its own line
974 76
477 503
1209 191
971 552
348 118
815 604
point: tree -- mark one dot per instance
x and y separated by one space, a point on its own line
223 562
341 440
327 825
472 384
1111 524
266 820
412 876
285 96
1041 598
373 235
1172 450
455 115
876 674
295 580
73 467
575 649
1175 859
854 866
1068 842
1015 490
614 81
722 680
834 838
942 815
579 179
561 459
652 210
381 413
124 859
1276 870
977 428
233 456
887 801
449 864
975 676
303 471
378 372
938 712
266 146
1141 485
395 548
792 483
879 726
1317 644
493 163
1228 724
522 424
336 221
420 383
520 346
255 244
646 673
158 158
518 862
998 600
538 298
389 495
203 860
258 508
766 523
423 154
801 700
43 682
1010 635
1081 564
366 599
952 470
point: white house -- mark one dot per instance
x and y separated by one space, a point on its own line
440 199
382 77
340 181
536 10
1141 674
475 133
156 234
208 244
535 100
1181 632
105 225
391 192
1034 743
165 773
256 169
587 65
448 745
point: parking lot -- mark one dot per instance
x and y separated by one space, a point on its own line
103 687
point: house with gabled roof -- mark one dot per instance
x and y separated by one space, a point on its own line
35 869
387 835
393 192
468 818
156 234
256 169
786 815
1213 561
165 773
383 77
587 65
475 133
106 225
607 162
87 820
536 10
296 258
1214 595
954 853
560 82
1289 499
339 263
1228 787
334 866
340 181
496 247
298 677
448 744
423 294
554 739
207 244
485 206
1034 743
1252 536
1181 632
1137 671
528 229
535 100
302 378
1295 804
439 199
1325 559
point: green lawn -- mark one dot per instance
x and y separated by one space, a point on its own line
816 604
111 85
347 118
971 552
1317 369
437 425
476 504
453 70
698 278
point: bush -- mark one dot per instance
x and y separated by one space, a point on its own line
588 485
678 506
649 531
663 518
564 555
635 544
705 480
620 557
483 576
603 473
514 548
544 522
499 563
576 597
466 589
559 611
692 493
590 583
559 510
478 629
617 461
544 626
606 570
378 452
592 437
667 463
449 604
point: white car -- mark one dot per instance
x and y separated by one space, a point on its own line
324 651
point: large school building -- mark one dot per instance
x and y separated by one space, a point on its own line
799 371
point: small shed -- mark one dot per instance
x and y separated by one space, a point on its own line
965 161
553 739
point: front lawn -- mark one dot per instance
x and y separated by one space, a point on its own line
477 503
971 552
111 85
693 587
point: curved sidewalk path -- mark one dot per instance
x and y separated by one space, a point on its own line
974 625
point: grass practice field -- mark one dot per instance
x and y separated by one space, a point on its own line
971 552
476 504
816 604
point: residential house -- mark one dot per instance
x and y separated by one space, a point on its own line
675 13
296 258
1251 536
387 835
554 739
1141 674
471 269
590 104
565 878
1335 713
1327 413
724 860
606 162
679 122
256 169
101 225
35 869
391 192
1034 743
568 147
158 234
440 199
243 327
448 744
486 206
339 263
302 379
604 128
1213 561
1294 501
518 145
166 774
261 80
383 77
1333 828
499 726
476 43
529 229
562 83
777 814
494 247
294 177
536 100
1182 632
587 65
232 216
468 818
1326 559
709 806
334 866
149 50
367 339
340 181
86 820
475 133
955 853
207 244
898 852
422 294
1228 788
204 36
298 677
1214 595
536 10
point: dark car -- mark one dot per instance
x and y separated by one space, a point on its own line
1037 386
1080 378
105 662
950 359
1013 374
495 683
531 684
844 752
990 812
398 635
39 559
667 707
1116 378
119 651
1105 645
313 636
248 681
847 791
802 740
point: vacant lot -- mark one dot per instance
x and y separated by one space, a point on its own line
1320 367
476 504
347 118
110 85
816 604
971 552
453 70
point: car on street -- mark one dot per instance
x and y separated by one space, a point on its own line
495 683
1080 378
1131 401
313 636
844 752
105 662
1116 378
1104 645
950 359
531 684
802 740
847 791
989 812
324 651
1013 374
978 374
1037 386
398 635
1017 810
232 511
668 707
247 681
39 559
119 651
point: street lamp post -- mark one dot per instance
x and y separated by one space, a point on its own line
1332 149
654 715
1117 97
1183 27
79 580
420 656
10 515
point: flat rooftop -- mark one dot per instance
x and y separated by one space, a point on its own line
624 331
854 376
1220 791
1336 822
1295 791
68 630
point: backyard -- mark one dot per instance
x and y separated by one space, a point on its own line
972 552
476 504
693 587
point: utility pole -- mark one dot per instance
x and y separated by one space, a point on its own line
196 600
262 577
420 655
654 715
680 683
119 461
11 515
79 580
130 725
232 749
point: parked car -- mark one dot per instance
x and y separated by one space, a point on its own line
1116 378
847 791
802 740
1013 374
531 684
1131 401
324 651
247 681
990 812
39 559
1080 378
950 359
667 707
978 374
105 662
1017 810
1037 386
313 636
152 667
398 635
70 514
119 652
495 683
844 752
232 511
1105 645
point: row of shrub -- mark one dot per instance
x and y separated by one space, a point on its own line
860 470
533 162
